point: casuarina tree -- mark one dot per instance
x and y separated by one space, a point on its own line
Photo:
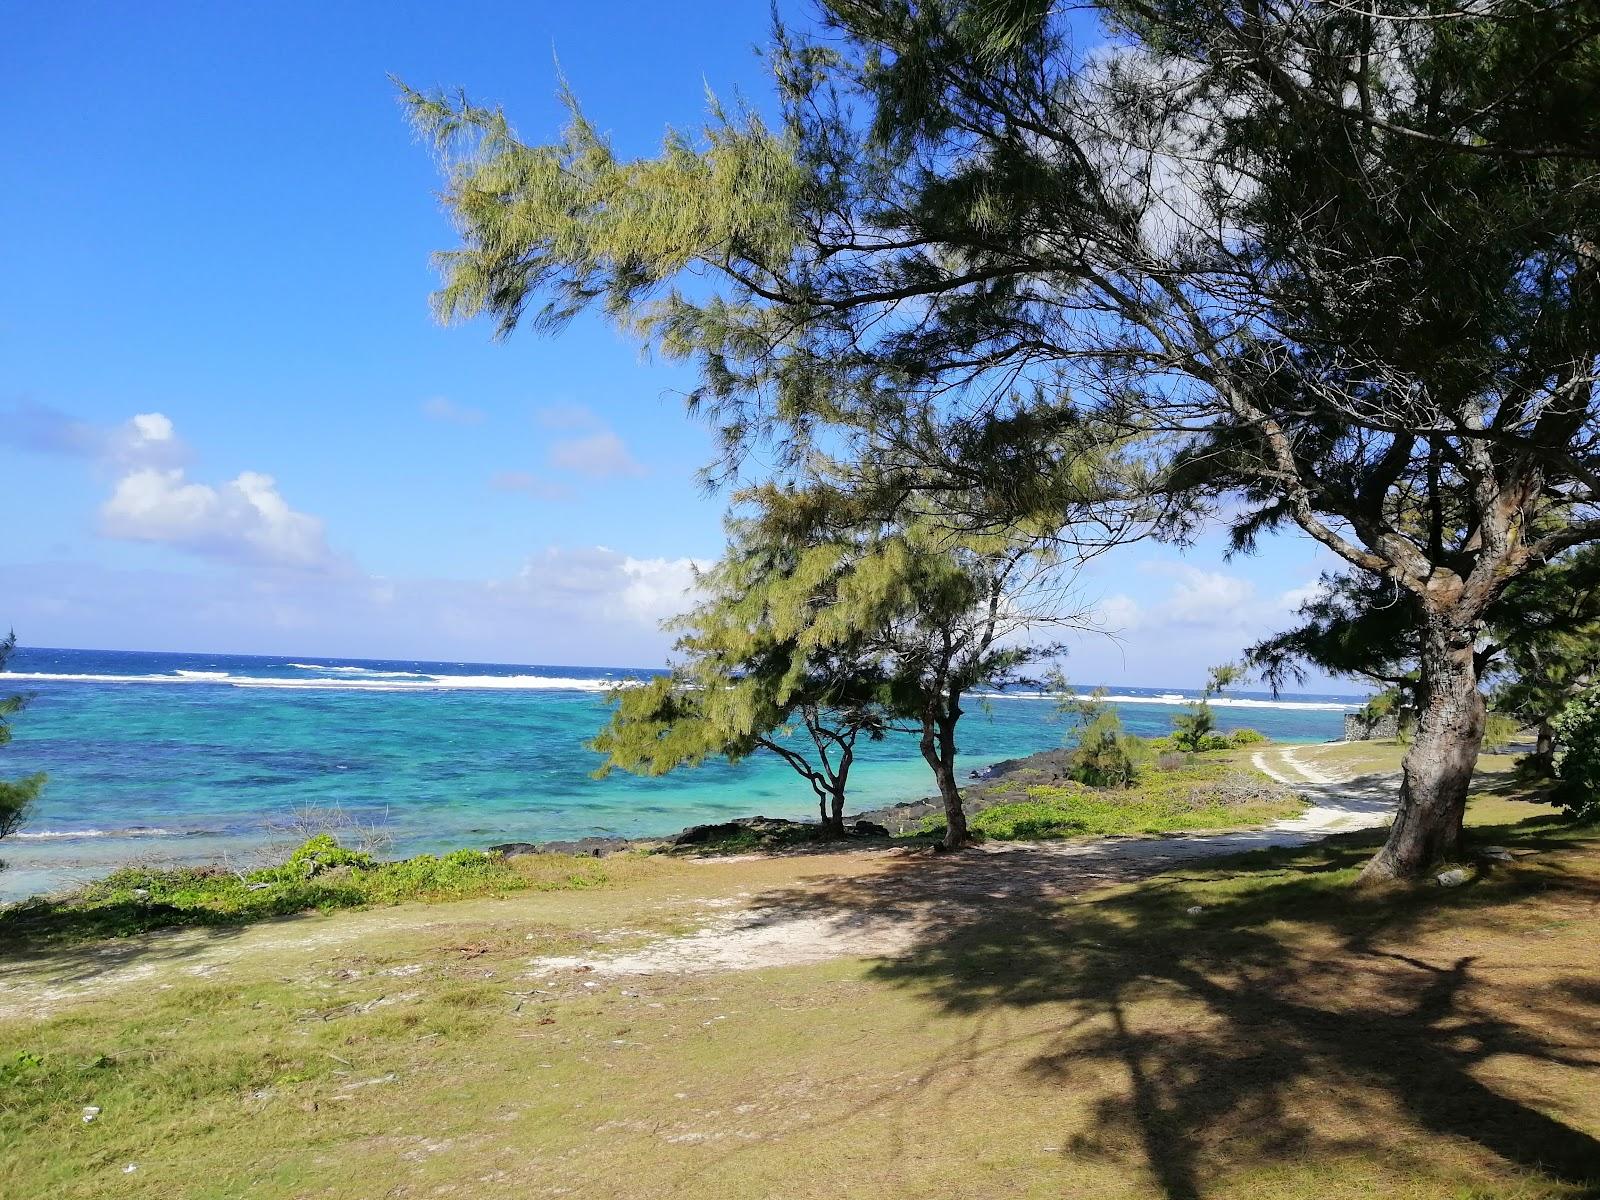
1319 260
763 665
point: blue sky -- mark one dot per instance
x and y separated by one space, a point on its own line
229 422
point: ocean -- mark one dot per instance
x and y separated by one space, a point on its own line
188 758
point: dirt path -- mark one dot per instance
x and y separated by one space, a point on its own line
883 914
865 904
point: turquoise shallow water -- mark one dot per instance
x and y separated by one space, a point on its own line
186 757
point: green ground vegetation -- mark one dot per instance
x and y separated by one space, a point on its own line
320 875
1254 1029
1210 791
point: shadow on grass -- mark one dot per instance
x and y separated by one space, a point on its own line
1292 1016
61 947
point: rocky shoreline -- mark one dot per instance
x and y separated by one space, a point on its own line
986 787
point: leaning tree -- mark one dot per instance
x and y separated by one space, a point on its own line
1314 257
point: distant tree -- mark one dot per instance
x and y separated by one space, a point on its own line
939 609
1192 730
16 795
956 623
760 661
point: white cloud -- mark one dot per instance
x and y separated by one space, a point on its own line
147 440
584 605
1291 600
592 449
442 408
529 484
246 519
599 455
658 588
153 499
567 416
1118 614
1207 598
602 581
152 427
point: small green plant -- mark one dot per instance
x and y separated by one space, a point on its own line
314 856
1499 731
1577 731
1192 729
1247 737
1106 756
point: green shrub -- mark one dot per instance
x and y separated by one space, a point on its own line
313 857
1106 756
1200 800
1191 729
1032 820
1247 737
1577 731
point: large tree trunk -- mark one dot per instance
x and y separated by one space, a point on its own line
939 751
1437 772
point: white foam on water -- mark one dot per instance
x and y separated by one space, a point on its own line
513 683
1177 698
365 679
57 834
367 672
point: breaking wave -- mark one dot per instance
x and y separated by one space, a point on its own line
374 682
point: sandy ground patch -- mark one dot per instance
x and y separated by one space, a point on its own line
896 911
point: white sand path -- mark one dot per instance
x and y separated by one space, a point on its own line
791 931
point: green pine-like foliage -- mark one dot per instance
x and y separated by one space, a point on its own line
16 795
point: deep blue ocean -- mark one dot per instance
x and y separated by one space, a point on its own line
189 757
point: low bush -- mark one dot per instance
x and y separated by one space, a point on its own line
1247 737
1192 728
1105 755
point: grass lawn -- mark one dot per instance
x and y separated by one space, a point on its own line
1376 757
1293 1038
1214 791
